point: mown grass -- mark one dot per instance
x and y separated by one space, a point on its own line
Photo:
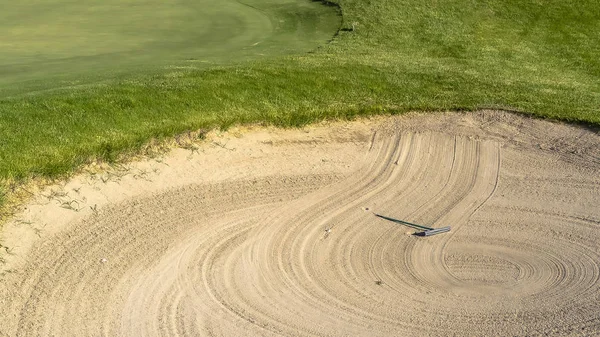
538 57
48 44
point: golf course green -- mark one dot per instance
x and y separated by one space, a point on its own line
58 43
87 80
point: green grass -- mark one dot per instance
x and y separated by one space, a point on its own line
51 44
56 112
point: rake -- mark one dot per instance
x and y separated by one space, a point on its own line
425 231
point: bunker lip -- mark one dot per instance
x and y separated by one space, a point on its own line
262 231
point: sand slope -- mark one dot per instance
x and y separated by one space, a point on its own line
274 233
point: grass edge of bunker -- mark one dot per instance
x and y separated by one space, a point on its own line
388 57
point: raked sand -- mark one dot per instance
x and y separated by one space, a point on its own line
269 232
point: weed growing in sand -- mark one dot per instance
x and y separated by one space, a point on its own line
72 205
6 249
143 174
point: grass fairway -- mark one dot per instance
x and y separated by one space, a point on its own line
128 71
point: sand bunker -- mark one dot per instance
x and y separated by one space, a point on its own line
272 232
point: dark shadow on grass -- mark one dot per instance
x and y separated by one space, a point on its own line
340 12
